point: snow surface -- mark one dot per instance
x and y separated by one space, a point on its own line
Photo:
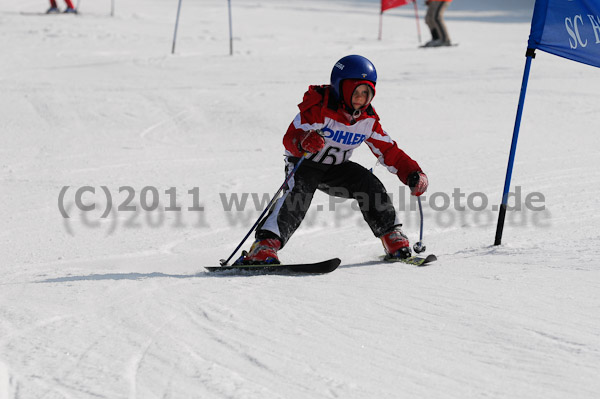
121 307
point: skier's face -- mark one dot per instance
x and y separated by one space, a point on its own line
361 96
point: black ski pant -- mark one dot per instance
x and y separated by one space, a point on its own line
346 180
435 20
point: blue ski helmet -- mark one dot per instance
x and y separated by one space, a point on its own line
352 67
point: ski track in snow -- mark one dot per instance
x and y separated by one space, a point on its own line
122 307
6 389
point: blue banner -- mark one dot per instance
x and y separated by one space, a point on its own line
567 28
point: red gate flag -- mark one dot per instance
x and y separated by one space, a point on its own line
387 4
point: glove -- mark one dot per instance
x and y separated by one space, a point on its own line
418 182
312 142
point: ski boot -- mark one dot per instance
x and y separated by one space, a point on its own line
262 252
70 10
53 10
438 43
396 244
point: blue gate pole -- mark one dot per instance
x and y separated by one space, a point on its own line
513 147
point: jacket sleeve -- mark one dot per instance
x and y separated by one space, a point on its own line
389 155
309 118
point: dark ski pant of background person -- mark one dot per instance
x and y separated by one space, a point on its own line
435 20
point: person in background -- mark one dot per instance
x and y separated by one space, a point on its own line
435 21
54 8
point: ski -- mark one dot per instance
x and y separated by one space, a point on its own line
46 13
451 45
413 260
326 266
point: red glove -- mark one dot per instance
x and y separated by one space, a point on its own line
312 142
418 182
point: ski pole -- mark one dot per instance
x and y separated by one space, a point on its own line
176 27
224 262
419 247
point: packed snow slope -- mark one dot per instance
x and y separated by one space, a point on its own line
117 304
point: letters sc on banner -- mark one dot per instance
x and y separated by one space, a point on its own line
573 24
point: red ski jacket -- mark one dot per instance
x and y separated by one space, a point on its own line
320 110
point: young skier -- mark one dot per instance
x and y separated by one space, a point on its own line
333 120
54 8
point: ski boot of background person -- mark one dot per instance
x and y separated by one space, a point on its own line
262 252
437 43
70 10
396 244
53 10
